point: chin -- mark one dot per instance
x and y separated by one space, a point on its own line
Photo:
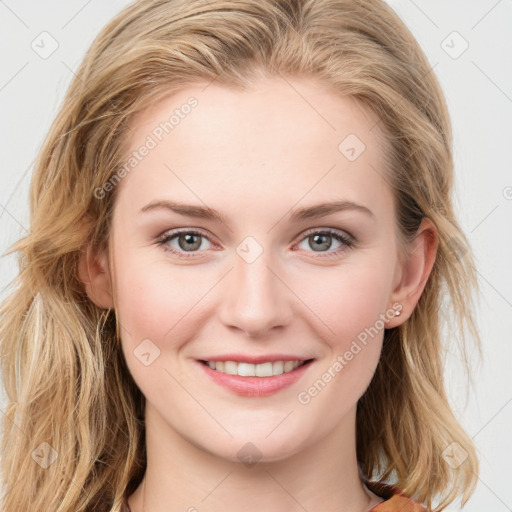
252 449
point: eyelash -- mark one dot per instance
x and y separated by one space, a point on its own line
348 242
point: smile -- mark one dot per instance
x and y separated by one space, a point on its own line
266 369
254 379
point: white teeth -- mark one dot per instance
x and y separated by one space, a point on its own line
244 369
277 367
230 367
288 366
268 369
264 370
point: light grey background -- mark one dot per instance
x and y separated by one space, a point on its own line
477 82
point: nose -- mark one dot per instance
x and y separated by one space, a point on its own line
255 298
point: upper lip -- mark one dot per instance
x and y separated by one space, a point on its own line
245 358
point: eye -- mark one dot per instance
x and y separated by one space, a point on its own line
186 241
322 240
191 241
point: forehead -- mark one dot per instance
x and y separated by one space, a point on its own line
284 137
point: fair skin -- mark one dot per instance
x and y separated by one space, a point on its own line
256 157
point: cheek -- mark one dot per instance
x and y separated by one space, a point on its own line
349 300
156 303
159 310
354 306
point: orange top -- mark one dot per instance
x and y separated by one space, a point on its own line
395 501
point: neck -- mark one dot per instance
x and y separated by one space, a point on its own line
182 476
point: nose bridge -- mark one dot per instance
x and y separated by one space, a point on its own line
256 300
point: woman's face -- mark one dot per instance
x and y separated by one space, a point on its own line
274 276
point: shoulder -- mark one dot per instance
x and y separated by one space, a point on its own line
394 499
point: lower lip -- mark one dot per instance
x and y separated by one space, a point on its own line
255 386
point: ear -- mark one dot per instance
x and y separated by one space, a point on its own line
94 272
413 273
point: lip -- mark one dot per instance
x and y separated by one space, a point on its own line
255 386
244 358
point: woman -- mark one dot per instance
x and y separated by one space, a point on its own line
241 238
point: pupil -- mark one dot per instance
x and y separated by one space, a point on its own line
189 238
325 244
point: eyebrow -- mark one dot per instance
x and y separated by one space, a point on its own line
308 212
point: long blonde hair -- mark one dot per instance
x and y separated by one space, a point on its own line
73 430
